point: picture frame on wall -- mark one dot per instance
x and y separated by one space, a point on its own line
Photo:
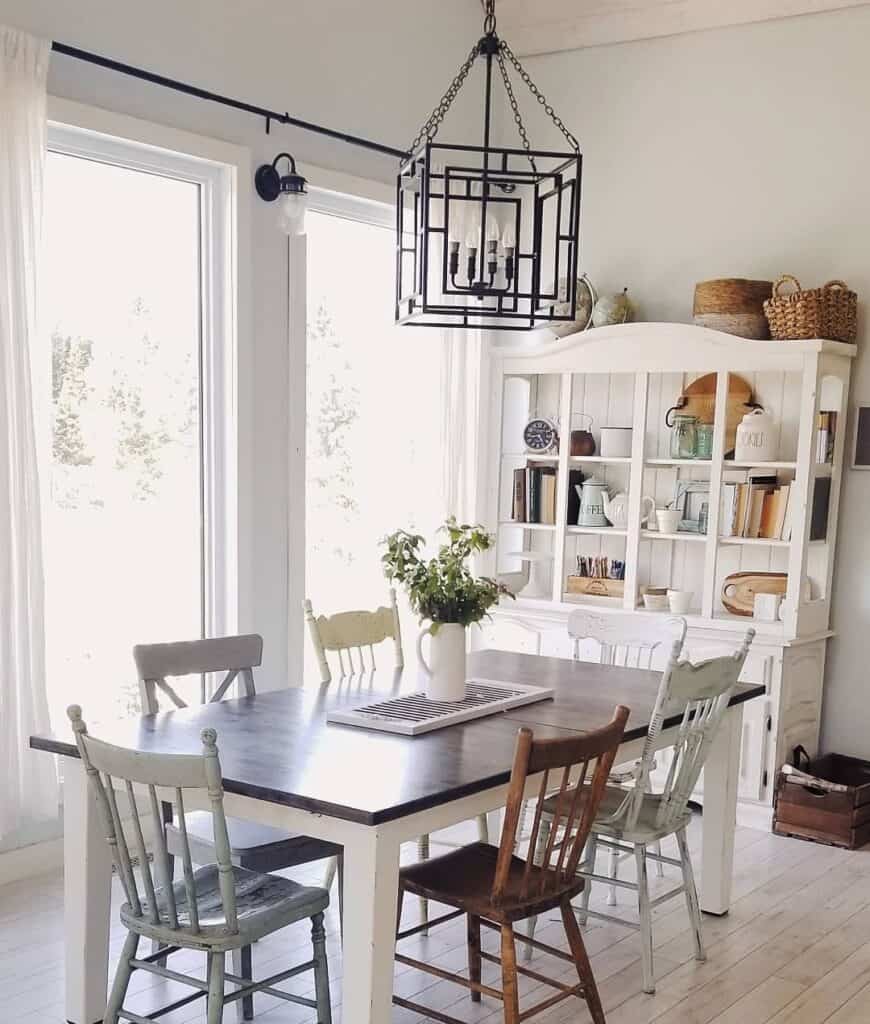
861 438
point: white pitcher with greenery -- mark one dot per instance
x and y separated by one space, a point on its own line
443 591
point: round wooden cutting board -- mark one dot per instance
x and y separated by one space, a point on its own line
740 588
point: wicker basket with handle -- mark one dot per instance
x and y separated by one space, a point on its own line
827 312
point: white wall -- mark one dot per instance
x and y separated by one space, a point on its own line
373 69
737 152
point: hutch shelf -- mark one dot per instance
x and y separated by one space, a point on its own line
630 376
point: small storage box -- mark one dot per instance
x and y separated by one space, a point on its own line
595 586
827 800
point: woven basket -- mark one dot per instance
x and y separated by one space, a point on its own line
731 295
829 312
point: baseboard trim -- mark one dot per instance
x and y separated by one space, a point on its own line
758 816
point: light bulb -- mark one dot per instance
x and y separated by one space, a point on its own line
492 231
509 238
472 238
291 212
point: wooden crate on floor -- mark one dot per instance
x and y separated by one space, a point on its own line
838 816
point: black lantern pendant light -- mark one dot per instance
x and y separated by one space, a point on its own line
487 236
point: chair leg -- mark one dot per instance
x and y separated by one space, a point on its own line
660 868
340 866
646 949
482 828
215 998
691 894
540 850
588 866
423 854
474 958
122 979
614 873
329 874
243 966
581 962
509 986
321 970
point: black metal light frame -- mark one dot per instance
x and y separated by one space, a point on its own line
527 197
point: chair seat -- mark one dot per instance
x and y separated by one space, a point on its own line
254 846
464 878
264 903
645 829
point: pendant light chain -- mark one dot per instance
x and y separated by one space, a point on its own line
518 120
539 96
433 122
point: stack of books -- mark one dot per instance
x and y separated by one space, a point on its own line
758 507
534 498
826 432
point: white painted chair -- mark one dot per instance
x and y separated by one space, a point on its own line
253 846
346 632
217 908
633 820
628 641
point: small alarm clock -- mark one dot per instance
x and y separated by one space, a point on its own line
540 435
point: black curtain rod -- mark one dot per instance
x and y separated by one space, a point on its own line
227 101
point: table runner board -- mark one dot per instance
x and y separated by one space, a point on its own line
278 747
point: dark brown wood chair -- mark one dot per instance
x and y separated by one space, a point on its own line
495 888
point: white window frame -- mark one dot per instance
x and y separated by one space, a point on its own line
217 168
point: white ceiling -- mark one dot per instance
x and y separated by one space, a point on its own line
547 26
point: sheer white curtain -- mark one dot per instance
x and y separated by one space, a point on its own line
465 422
28 785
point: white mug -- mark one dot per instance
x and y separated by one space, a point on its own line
765 607
668 519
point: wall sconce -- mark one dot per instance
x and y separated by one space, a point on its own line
288 188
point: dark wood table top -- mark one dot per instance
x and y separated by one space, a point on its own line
278 747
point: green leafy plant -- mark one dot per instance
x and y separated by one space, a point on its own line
443 589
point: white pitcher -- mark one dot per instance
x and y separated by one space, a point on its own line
445 677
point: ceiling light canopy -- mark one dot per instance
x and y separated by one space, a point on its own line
487 236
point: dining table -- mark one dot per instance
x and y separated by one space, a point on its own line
284 765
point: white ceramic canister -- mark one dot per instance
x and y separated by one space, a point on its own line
755 440
615 442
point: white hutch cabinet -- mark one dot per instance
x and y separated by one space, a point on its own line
630 376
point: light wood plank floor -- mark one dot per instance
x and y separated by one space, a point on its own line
795 948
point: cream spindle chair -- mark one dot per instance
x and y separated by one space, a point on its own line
631 821
346 632
217 908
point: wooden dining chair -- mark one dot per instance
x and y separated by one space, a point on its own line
216 908
632 820
494 887
346 632
253 846
625 641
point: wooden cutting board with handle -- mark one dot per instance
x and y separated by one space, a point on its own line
740 588
699 399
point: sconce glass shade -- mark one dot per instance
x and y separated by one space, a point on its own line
291 212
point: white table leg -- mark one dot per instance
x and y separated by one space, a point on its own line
493 824
371 889
87 891
721 776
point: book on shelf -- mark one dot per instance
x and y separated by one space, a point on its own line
826 432
755 507
534 494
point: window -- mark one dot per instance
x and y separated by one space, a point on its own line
137 353
373 410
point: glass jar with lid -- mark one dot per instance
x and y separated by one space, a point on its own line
684 436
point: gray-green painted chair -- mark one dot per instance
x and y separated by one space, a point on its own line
252 845
217 908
